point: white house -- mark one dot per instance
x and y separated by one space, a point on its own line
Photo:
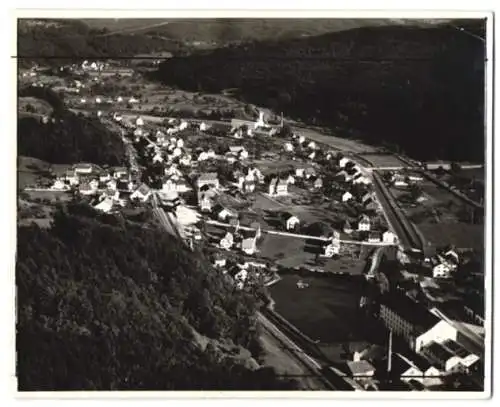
83 168
331 249
389 237
179 143
311 145
346 196
139 121
106 205
224 214
184 125
301 139
439 332
133 100
291 221
203 156
249 245
290 179
98 100
177 152
361 180
299 172
364 223
227 241
157 158
288 147
203 126
59 184
205 203
442 270
312 155
343 162
120 172
142 193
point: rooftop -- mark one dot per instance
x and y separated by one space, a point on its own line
416 314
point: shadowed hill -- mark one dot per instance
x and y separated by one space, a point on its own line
418 89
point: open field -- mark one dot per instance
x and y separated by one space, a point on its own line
461 235
442 218
294 252
325 311
339 143
383 160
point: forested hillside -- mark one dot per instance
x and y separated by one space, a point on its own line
418 89
106 304
69 138
51 41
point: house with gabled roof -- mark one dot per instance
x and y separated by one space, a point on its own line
346 196
106 205
318 183
249 245
142 193
364 223
83 168
208 178
389 237
291 222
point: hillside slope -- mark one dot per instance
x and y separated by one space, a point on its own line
53 41
419 89
226 30
108 304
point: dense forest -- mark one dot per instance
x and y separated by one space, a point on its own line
108 304
69 138
50 41
419 89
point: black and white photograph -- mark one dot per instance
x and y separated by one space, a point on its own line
253 204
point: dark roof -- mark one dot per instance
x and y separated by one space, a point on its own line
456 348
438 352
416 314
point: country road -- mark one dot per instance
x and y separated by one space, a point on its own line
300 236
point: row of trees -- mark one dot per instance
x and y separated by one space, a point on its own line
107 304
420 89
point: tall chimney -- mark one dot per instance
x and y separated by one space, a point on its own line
389 353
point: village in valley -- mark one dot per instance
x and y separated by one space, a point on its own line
345 237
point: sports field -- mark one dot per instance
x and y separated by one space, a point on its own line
326 311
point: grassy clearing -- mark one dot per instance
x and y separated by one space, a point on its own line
326 311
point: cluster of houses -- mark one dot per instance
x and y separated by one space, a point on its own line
238 237
400 180
241 128
444 264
